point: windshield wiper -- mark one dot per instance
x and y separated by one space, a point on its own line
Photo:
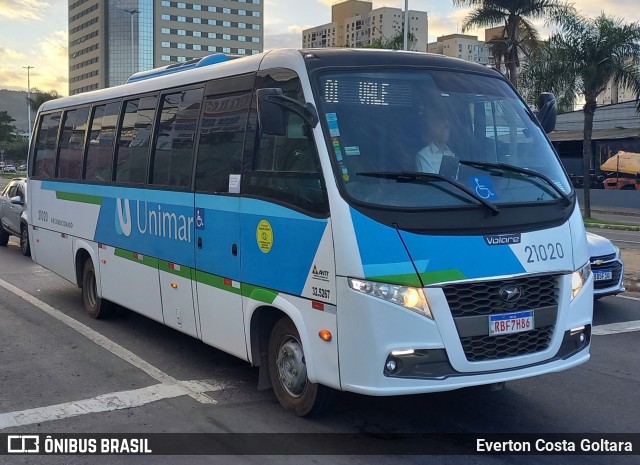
420 177
517 169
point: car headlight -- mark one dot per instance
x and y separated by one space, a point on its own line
411 298
578 278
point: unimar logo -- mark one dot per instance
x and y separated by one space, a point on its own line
502 239
123 217
155 219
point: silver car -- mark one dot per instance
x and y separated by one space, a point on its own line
13 202
606 266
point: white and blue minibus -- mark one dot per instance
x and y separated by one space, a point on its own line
273 206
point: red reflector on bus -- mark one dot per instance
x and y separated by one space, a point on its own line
317 305
172 266
102 246
227 282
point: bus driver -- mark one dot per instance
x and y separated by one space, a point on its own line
429 158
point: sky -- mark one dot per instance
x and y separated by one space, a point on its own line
34 32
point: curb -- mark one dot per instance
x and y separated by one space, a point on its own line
621 227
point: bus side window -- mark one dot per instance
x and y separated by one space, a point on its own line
221 139
45 149
287 168
72 144
173 155
102 136
132 155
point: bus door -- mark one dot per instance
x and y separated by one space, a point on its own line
172 166
217 216
287 242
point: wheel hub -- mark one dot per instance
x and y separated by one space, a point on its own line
292 370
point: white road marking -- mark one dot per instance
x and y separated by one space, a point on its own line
615 328
105 403
628 297
108 344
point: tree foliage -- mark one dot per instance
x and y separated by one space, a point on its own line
519 34
38 97
7 130
396 42
582 58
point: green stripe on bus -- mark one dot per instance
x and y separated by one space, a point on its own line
82 198
215 281
409 279
145 260
428 277
183 271
431 277
259 293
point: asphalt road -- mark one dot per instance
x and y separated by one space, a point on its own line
621 238
64 372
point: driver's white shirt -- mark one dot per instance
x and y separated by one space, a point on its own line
429 158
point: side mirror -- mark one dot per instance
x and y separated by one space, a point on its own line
17 200
271 111
548 111
271 115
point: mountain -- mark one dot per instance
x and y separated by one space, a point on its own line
15 104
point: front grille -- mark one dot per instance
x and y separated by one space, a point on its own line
482 298
616 270
604 258
480 348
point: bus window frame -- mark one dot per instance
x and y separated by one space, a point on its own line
89 126
123 108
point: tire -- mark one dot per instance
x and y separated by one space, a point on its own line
288 373
4 237
95 306
24 240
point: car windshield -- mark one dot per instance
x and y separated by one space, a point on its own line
385 126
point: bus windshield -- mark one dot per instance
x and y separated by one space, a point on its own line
387 126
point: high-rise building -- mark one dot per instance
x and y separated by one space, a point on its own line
354 23
462 46
109 41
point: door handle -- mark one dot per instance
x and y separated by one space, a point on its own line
234 250
199 242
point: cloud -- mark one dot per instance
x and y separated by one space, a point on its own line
50 65
23 10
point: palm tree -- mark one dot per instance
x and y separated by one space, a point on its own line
588 54
516 16
544 73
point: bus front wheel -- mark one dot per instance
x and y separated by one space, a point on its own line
288 372
95 306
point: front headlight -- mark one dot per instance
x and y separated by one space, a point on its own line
411 298
578 278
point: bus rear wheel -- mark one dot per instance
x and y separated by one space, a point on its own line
288 372
95 306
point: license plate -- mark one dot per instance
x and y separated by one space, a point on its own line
511 323
602 275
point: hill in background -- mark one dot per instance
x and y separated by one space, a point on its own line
15 104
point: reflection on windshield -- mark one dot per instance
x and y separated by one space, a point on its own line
403 121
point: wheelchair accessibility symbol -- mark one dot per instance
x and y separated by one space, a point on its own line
199 220
483 186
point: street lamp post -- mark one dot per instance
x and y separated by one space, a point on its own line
406 25
29 68
131 13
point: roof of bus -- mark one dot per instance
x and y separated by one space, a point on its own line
314 59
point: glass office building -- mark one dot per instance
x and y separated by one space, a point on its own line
109 41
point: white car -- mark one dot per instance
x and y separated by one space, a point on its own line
606 266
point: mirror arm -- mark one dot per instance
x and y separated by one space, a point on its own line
307 111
